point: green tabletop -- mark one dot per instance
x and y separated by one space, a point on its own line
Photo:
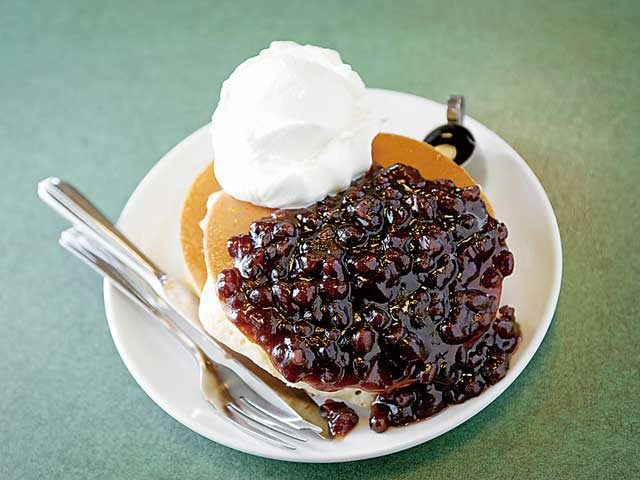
97 92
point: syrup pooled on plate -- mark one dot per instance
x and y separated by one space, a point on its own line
391 287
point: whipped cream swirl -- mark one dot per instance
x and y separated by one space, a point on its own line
293 125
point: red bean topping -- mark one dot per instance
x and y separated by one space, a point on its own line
393 283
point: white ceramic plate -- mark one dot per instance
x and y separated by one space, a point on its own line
168 375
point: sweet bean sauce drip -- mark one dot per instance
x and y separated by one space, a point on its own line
340 417
391 287
476 367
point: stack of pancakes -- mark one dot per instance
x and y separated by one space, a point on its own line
210 217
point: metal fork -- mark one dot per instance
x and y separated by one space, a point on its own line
106 249
221 387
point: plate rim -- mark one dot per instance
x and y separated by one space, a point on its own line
490 394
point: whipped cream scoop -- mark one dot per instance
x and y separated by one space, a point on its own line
292 126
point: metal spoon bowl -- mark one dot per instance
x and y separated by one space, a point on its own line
453 139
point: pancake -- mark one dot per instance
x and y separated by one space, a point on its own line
194 210
209 219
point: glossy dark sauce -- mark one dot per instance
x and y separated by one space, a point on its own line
391 287
340 418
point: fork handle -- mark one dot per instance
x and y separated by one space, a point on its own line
76 208
71 240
